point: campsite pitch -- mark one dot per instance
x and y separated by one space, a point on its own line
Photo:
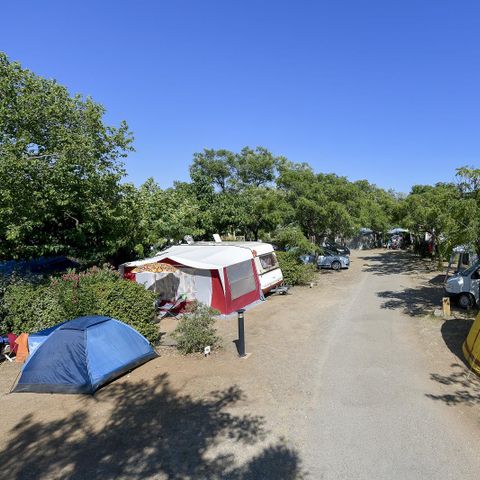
350 379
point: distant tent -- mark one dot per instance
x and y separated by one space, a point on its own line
221 276
471 347
81 355
397 231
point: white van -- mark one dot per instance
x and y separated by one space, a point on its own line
464 286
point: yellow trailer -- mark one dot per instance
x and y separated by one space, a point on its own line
471 347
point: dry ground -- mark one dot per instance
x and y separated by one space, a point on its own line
340 376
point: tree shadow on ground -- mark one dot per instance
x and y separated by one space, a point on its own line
151 432
417 301
397 262
466 383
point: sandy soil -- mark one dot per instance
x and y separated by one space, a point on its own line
264 416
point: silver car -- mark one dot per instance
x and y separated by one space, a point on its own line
332 260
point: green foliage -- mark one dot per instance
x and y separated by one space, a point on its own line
60 170
468 213
30 308
294 271
164 215
95 292
196 330
16 278
435 210
288 238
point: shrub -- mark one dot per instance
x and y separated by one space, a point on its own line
30 308
7 280
196 330
131 303
294 271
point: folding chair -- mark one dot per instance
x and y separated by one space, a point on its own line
280 289
170 309
8 347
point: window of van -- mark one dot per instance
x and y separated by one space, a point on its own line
268 261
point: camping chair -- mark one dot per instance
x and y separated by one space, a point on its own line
170 309
8 347
281 289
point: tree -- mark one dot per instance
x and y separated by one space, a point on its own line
234 191
435 210
468 216
165 215
60 170
213 167
257 168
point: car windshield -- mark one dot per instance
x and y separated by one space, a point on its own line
470 270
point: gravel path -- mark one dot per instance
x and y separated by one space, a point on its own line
346 380
373 412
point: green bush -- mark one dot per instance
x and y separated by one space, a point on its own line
131 303
6 281
196 330
29 308
292 238
294 271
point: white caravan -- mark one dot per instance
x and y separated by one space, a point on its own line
265 260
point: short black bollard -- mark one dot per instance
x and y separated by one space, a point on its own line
241 333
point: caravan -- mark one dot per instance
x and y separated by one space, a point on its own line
266 263
226 276
265 260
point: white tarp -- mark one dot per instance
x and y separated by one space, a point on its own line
196 284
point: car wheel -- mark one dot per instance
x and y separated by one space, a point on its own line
336 265
465 301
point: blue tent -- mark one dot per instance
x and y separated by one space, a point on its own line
83 354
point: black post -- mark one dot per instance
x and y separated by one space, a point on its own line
241 333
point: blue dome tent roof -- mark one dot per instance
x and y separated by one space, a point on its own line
83 354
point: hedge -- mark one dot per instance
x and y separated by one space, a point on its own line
29 308
294 271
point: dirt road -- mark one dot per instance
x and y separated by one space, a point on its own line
349 379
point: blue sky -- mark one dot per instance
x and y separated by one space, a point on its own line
382 90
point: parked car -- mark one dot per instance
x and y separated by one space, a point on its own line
337 248
464 286
330 259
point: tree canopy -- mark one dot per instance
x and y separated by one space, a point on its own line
60 170
63 189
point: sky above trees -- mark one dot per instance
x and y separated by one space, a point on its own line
386 91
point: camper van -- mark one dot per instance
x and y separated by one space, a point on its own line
464 286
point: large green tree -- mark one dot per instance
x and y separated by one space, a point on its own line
435 210
468 215
60 170
235 191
